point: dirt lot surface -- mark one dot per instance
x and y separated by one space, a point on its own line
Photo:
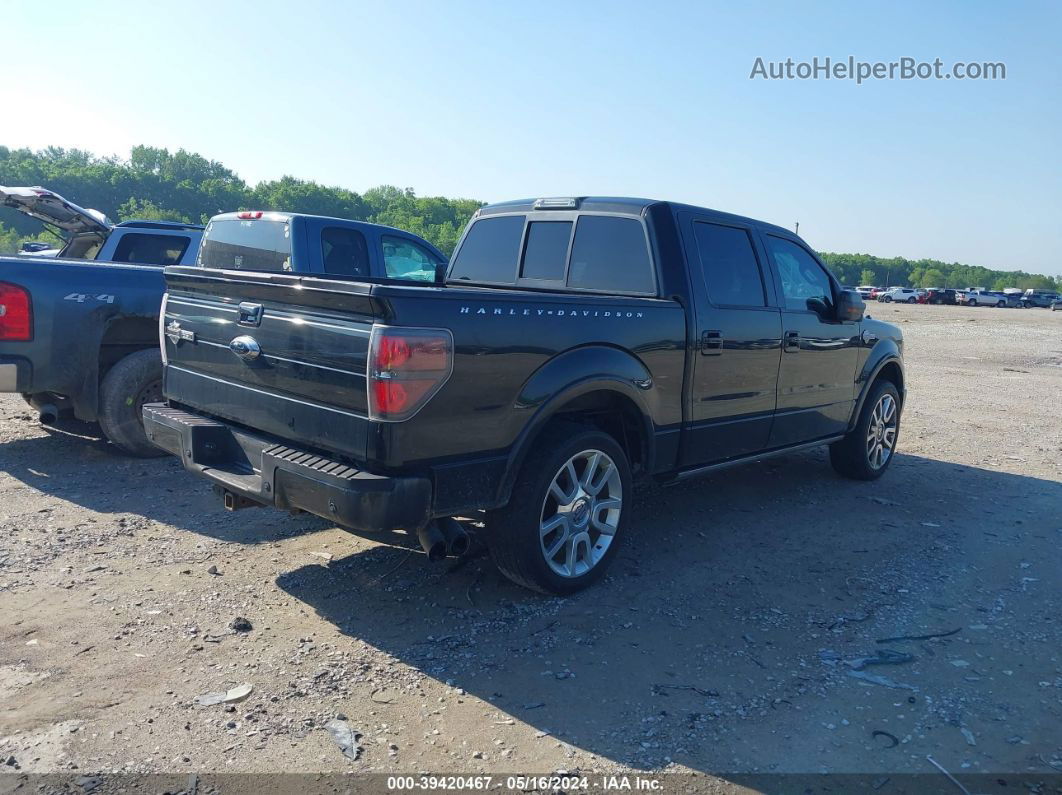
728 638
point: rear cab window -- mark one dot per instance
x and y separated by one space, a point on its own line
145 249
490 251
260 244
590 252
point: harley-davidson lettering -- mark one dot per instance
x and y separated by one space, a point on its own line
530 312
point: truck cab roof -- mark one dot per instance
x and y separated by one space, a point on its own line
619 205
168 225
278 215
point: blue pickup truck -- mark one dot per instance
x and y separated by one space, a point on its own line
81 336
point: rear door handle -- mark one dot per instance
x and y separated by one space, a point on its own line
711 343
791 342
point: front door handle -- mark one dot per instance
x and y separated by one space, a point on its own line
711 343
791 342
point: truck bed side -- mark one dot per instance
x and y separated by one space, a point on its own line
80 308
518 355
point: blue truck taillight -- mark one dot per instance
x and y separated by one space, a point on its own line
16 313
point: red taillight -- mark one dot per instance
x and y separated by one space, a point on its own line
250 215
16 313
406 367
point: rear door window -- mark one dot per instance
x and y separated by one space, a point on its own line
344 252
610 254
144 249
238 244
546 250
490 250
405 259
731 272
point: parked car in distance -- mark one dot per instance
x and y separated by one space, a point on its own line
34 248
89 234
940 295
906 295
1039 298
87 343
875 292
1011 300
865 290
575 343
979 298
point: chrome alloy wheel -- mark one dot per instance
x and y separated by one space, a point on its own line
580 513
881 434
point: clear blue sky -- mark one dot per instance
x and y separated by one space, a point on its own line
500 100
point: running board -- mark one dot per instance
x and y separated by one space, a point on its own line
748 459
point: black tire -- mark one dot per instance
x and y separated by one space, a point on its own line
972 302
849 456
887 299
912 300
1000 304
513 535
128 385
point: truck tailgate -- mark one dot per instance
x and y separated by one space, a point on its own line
280 353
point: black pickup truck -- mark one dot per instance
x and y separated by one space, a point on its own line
576 343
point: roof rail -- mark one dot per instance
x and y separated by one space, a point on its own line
159 225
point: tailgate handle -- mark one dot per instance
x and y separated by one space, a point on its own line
250 314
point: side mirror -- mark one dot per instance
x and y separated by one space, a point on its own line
850 306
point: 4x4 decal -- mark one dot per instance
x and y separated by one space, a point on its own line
81 298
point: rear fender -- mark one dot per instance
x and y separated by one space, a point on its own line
567 377
110 335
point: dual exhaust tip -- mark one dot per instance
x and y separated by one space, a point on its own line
439 539
444 538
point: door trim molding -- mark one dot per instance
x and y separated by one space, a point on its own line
747 459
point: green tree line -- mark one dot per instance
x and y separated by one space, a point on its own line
156 184
857 269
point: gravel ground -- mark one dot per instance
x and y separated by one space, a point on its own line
730 638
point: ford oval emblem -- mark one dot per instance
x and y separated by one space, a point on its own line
246 347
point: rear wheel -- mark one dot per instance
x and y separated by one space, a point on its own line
866 452
972 302
132 382
887 299
912 300
1000 304
568 513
